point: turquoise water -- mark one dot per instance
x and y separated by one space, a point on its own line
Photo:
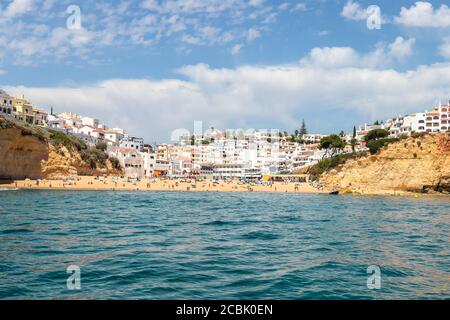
174 245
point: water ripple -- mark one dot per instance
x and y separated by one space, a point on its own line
169 245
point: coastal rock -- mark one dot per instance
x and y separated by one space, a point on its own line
30 156
411 165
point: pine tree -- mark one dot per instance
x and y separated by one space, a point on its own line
354 142
303 129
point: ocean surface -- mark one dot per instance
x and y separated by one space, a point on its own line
175 245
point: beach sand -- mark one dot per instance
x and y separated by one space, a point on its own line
114 183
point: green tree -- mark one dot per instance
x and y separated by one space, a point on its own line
101 146
354 141
376 134
332 145
303 129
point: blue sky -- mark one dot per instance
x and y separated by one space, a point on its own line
153 66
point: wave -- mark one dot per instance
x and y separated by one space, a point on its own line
9 189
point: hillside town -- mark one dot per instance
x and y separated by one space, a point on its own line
232 154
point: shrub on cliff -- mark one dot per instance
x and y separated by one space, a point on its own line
376 134
115 163
329 163
101 146
96 158
61 139
375 145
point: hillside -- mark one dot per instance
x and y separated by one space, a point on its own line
34 153
420 164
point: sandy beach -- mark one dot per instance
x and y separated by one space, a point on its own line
120 184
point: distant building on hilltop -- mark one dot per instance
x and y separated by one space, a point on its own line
6 103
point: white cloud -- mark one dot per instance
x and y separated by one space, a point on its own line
381 57
236 49
253 34
299 7
274 96
332 57
354 11
18 7
422 14
283 6
444 48
38 36
323 33
256 3
402 48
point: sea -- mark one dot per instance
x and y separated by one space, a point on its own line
181 245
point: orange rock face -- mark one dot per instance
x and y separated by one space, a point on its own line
414 164
29 157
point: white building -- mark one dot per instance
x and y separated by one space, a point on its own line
132 142
6 104
130 159
88 121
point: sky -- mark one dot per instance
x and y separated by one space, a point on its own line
154 66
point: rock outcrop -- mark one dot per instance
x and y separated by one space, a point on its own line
412 165
26 155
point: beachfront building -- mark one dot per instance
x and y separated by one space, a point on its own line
6 104
162 168
131 160
181 167
149 159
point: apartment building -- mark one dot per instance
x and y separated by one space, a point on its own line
6 104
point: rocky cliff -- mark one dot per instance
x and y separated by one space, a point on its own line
420 164
27 152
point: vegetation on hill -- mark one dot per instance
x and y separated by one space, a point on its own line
26 129
330 163
378 138
332 145
95 156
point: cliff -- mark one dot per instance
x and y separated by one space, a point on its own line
420 164
31 152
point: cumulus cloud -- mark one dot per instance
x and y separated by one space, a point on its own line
383 55
422 14
276 96
354 11
444 48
